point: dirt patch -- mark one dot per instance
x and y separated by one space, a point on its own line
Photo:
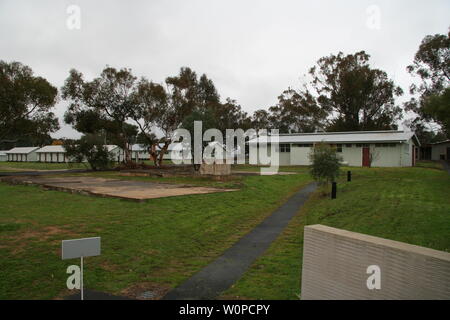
19 241
146 291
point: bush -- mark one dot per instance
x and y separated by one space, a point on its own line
91 149
325 163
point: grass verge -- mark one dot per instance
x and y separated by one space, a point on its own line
404 204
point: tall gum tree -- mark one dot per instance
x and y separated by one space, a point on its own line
26 102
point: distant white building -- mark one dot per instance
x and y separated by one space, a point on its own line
174 151
117 153
3 155
357 148
440 150
139 152
22 154
52 154
57 154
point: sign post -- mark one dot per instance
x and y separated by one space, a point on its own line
81 248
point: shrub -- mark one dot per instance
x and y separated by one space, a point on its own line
91 149
325 163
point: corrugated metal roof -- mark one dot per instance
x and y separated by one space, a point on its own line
49 149
434 143
60 149
342 137
22 150
111 147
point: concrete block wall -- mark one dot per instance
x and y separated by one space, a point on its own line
215 169
335 266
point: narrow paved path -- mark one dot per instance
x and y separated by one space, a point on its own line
219 275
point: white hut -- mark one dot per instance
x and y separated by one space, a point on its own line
57 154
117 154
357 148
52 154
22 154
3 155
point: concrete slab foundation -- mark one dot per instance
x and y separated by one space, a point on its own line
125 189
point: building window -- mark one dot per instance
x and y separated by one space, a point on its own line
339 148
285 148
348 145
303 145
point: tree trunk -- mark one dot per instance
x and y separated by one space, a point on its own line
153 154
162 152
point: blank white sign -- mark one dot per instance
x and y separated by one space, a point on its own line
77 248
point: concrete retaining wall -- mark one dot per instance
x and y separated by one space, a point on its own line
215 169
335 266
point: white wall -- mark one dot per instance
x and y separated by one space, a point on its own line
31 157
300 156
399 155
388 156
352 155
335 264
439 149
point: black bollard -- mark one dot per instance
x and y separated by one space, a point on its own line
333 190
349 176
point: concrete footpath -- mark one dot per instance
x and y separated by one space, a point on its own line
222 273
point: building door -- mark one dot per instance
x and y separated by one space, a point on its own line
366 157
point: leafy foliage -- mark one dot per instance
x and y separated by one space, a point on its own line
325 163
91 149
105 103
344 94
432 65
297 111
25 105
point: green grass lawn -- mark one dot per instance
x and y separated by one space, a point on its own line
405 204
155 244
9 166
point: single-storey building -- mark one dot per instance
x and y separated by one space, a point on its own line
58 153
174 151
139 152
357 148
440 150
22 154
52 154
3 155
117 153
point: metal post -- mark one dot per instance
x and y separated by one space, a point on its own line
349 176
333 190
81 280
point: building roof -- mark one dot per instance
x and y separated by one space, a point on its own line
61 149
49 149
434 143
3 152
111 147
22 150
343 137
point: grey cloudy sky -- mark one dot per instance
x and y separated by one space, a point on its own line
252 49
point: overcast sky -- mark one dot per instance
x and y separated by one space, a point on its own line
252 50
